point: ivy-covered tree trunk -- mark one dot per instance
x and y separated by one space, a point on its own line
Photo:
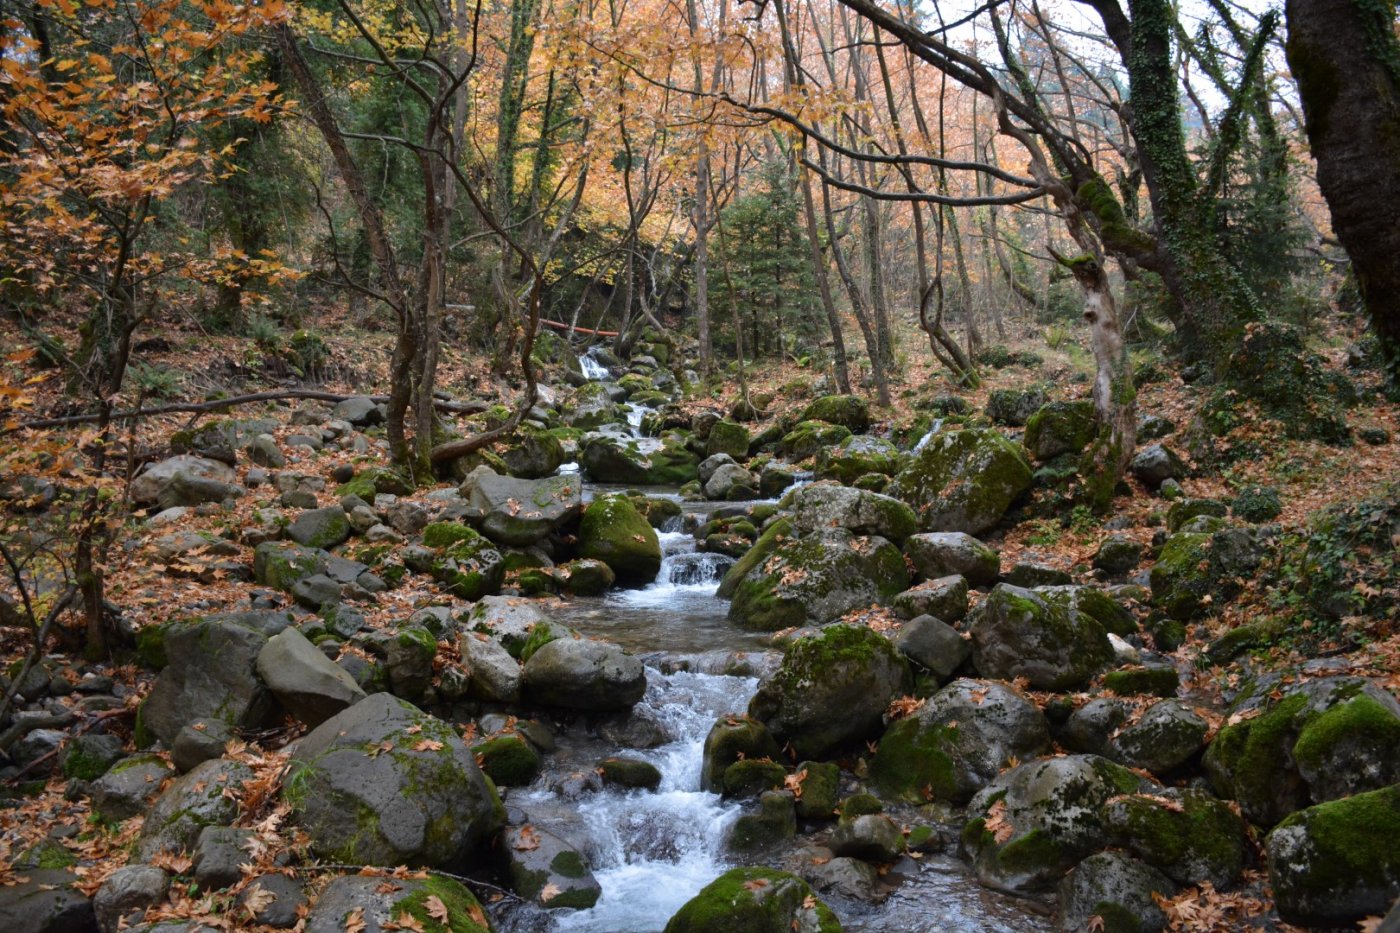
1346 60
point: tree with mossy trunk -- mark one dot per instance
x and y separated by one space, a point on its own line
1345 57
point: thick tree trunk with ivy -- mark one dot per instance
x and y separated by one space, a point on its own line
1346 59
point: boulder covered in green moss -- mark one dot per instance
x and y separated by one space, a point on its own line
774 535
807 437
464 562
547 870
1185 833
726 437
1117 890
585 577
381 906
958 742
383 783
819 506
1015 407
1060 428
1021 633
1169 736
1039 819
732 739
281 565
831 689
521 512
509 760
591 406
963 480
857 456
1319 740
849 411
614 532
530 453
1199 570
817 579
755 900
1337 863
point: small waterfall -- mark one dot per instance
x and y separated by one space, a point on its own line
592 369
933 429
684 572
652 852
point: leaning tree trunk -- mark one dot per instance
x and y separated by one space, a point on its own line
1346 60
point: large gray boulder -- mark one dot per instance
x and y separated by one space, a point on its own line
1110 884
381 904
320 528
831 689
146 488
819 506
129 786
958 742
495 675
308 684
383 783
47 902
578 673
940 553
856 456
1039 819
963 480
591 406
211 673
816 579
1020 633
520 512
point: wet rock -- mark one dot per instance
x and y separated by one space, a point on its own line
218 852
873 838
629 773
957 742
963 480
369 791
583 674
521 512
279 901
731 739
614 532
846 877
1116 889
47 903
756 900
831 689
545 869
774 821
941 554
508 760
380 905
1020 633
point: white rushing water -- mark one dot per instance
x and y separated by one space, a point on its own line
686 575
592 369
653 851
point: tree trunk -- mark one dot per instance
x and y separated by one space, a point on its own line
1346 60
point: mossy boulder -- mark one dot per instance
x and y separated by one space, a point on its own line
857 456
755 900
831 689
807 437
1182 511
1015 407
767 826
943 598
1186 833
530 453
206 796
775 534
941 553
1149 681
1038 820
820 506
732 739
381 906
629 773
873 837
849 411
1320 740
582 674
383 783
281 565
963 480
1092 602
957 743
1336 863
816 579
585 577
726 437
1060 428
1119 891
465 563
1049 641
591 406
368 482
509 760
1198 570
547 870
751 777
614 532
818 783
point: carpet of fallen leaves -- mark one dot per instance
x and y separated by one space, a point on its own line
1310 476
